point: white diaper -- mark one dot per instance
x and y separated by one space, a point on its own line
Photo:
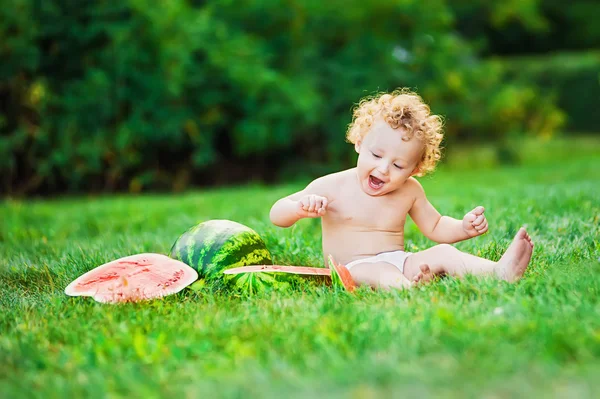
396 258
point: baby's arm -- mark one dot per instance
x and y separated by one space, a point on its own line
308 203
444 229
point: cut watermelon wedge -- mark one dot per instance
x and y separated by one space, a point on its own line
133 278
339 274
313 271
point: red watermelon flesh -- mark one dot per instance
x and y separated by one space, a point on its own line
134 278
341 272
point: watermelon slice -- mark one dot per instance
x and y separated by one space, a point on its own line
312 271
339 274
133 278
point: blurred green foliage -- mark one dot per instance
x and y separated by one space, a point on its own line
514 27
136 95
572 78
549 43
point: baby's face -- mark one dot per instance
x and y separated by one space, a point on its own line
385 161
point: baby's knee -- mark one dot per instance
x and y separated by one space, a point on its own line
445 252
376 275
445 249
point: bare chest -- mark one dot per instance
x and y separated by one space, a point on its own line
386 214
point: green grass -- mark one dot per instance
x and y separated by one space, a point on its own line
457 338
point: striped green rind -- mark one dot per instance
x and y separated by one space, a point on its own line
335 277
213 246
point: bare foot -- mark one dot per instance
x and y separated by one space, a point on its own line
424 276
515 260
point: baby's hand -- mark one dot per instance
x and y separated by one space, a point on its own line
474 222
312 206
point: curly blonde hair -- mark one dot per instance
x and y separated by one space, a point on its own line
400 109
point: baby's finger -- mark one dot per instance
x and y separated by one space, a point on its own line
311 207
303 205
482 231
478 220
483 225
478 211
325 203
470 217
318 203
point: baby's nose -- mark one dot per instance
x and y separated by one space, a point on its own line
384 168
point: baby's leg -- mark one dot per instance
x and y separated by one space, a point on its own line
383 275
445 259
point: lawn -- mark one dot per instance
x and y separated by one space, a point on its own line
454 338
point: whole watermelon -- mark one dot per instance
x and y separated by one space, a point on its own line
215 245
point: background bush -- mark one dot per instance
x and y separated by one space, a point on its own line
139 95
573 79
519 27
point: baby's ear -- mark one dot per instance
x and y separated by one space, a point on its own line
357 146
415 171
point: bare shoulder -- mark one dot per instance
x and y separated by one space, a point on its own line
414 187
344 176
327 185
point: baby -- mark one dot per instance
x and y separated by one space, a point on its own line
363 210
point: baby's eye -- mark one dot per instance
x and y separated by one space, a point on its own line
375 155
398 167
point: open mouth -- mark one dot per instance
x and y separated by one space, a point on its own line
375 183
